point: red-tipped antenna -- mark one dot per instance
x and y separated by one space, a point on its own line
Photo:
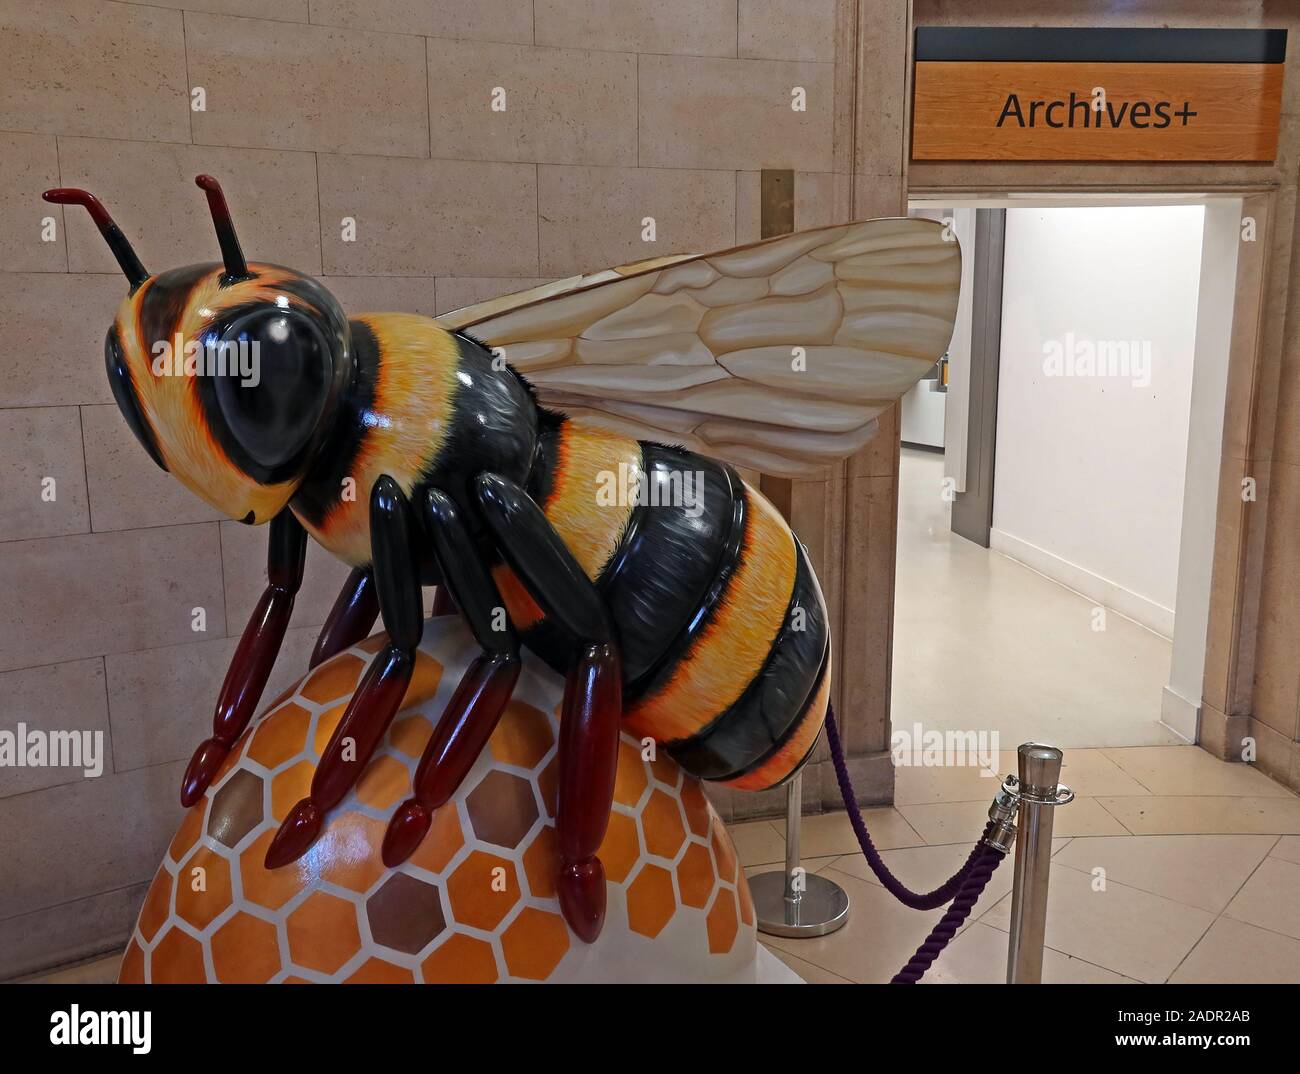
64 195
231 254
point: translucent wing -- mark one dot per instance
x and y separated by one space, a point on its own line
776 356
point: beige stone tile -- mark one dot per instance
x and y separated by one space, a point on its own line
1200 870
127 489
43 484
1122 929
1209 815
243 557
82 67
749 208
29 164
149 189
962 822
52 329
678 27
428 217
787 30
68 932
757 843
1269 898
1172 770
831 833
810 973
1088 772
285 86
717 113
161 700
592 218
814 200
561 106
809 865
88 837
96 971
79 596
57 697
456 292
1287 848
978 955
384 294
483 20
1232 952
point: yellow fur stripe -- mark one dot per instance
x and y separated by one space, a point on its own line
735 645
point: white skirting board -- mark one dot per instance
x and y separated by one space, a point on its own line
1106 593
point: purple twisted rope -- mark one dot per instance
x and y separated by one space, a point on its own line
930 900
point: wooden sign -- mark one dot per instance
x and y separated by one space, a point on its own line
990 93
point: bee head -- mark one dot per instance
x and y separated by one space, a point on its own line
230 375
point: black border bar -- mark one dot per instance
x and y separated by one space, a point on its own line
1062 44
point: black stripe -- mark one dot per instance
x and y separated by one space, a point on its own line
164 302
124 391
760 721
1062 44
665 586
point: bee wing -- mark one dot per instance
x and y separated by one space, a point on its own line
776 356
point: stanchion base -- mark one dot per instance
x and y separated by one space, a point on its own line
822 907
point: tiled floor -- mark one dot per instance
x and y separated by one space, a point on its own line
1169 866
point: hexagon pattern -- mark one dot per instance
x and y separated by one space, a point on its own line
476 902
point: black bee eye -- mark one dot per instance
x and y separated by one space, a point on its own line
119 379
272 383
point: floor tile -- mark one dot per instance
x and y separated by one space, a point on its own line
831 833
1174 770
757 842
1131 932
96 971
962 822
1185 815
1287 848
1200 870
809 972
812 865
1270 898
979 956
1233 952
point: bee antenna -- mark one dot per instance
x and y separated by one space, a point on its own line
231 253
117 242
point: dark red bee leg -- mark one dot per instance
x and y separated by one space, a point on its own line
593 693
355 610
482 694
380 692
254 657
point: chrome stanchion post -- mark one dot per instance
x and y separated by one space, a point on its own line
795 902
1036 788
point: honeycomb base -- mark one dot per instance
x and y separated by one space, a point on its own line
476 902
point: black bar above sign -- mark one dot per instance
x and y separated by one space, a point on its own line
1062 44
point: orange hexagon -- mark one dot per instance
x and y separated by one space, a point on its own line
132 968
724 853
335 678
534 944
650 901
425 677
157 905
373 643
443 841
482 890
384 783
325 724
377 971
665 769
620 849
696 806
695 876
280 736
548 782
661 821
630 778
746 902
245 951
722 923
271 888
178 959
542 863
189 831
202 888
348 852
323 932
289 786
461 959
411 734
523 737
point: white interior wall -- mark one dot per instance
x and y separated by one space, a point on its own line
1090 468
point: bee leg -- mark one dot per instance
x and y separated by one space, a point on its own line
355 610
397 581
593 693
254 657
482 694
